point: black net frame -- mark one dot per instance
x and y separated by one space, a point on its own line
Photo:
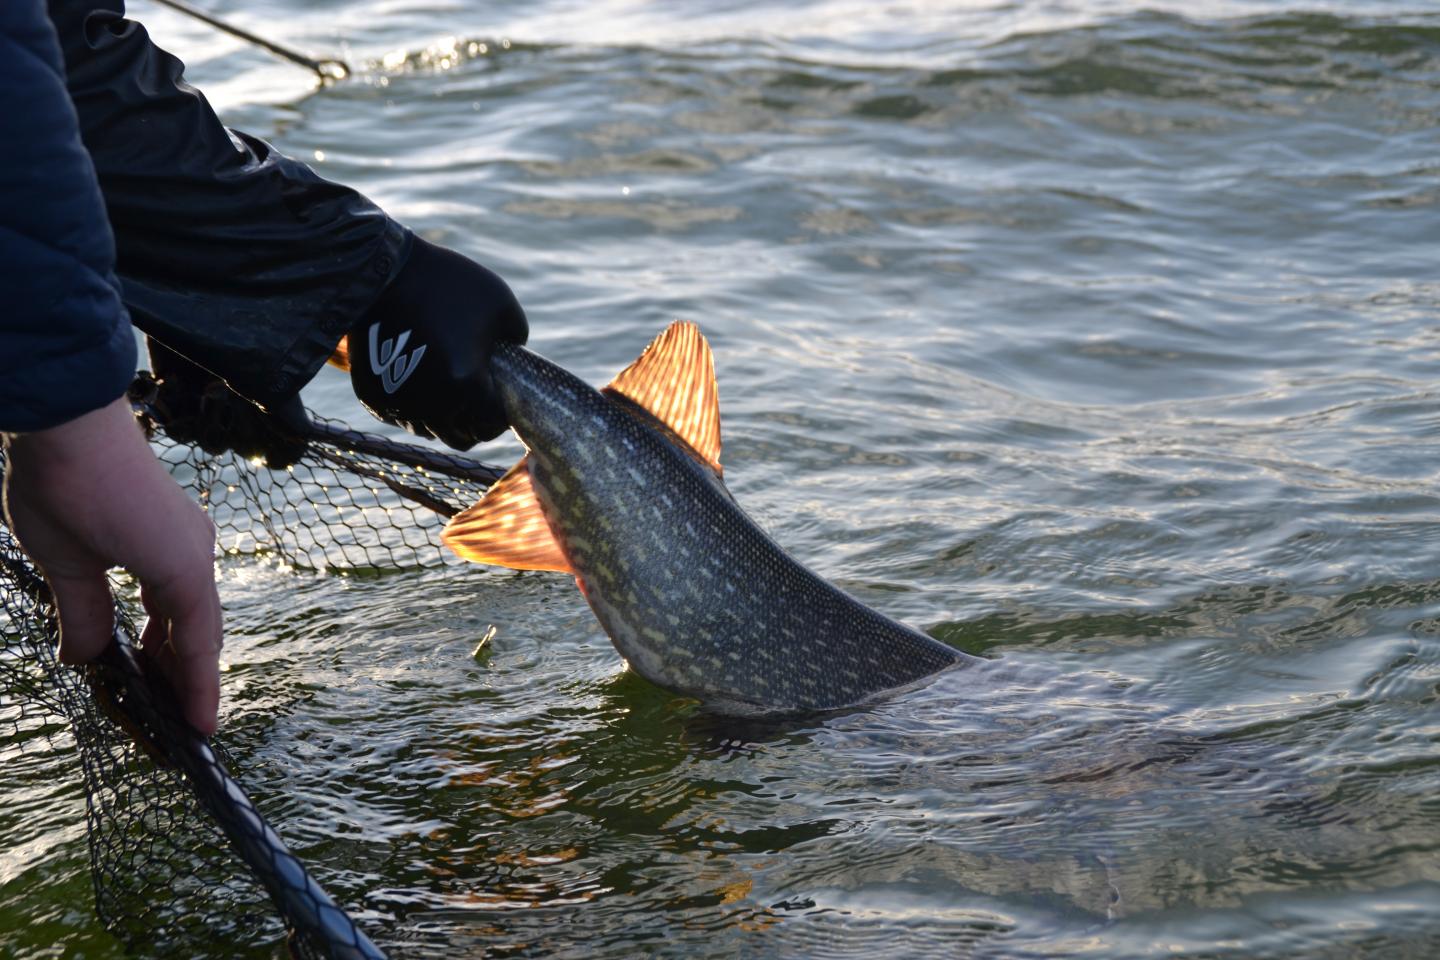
179 855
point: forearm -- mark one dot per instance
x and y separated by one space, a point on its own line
231 254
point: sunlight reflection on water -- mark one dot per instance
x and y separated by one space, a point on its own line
1083 335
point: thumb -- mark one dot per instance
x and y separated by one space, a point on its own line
190 613
200 670
87 616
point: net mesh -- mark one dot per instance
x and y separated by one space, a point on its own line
179 856
378 505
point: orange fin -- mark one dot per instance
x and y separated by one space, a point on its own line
341 357
506 527
674 379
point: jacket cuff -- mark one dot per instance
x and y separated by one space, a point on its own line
59 377
317 341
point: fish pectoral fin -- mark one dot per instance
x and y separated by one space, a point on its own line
506 527
674 379
341 357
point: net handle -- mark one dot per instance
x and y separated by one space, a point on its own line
412 455
312 913
146 703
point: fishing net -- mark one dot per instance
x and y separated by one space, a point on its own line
179 855
353 501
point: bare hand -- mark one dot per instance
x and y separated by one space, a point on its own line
89 495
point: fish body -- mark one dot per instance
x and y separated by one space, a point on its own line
696 597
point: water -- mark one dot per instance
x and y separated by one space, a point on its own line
1095 337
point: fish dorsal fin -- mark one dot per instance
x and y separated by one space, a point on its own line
674 379
506 527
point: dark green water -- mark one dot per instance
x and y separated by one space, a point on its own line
1098 339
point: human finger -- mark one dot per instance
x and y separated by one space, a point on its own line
200 680
155 638
184 633
87 615
196 638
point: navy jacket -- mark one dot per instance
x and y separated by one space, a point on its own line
234 256
65 342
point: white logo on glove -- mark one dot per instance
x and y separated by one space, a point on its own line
389 363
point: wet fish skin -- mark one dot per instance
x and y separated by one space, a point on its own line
693 593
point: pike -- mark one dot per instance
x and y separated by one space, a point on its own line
622 488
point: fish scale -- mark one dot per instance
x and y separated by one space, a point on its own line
694 594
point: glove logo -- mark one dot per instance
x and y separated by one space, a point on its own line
389 362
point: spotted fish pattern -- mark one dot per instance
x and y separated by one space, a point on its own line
622 488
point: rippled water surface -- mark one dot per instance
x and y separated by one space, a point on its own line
1096 337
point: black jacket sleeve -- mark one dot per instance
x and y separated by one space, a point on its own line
66 346
229 253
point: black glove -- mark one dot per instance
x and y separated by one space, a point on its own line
194 406
420 358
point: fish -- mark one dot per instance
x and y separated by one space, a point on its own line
622 487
